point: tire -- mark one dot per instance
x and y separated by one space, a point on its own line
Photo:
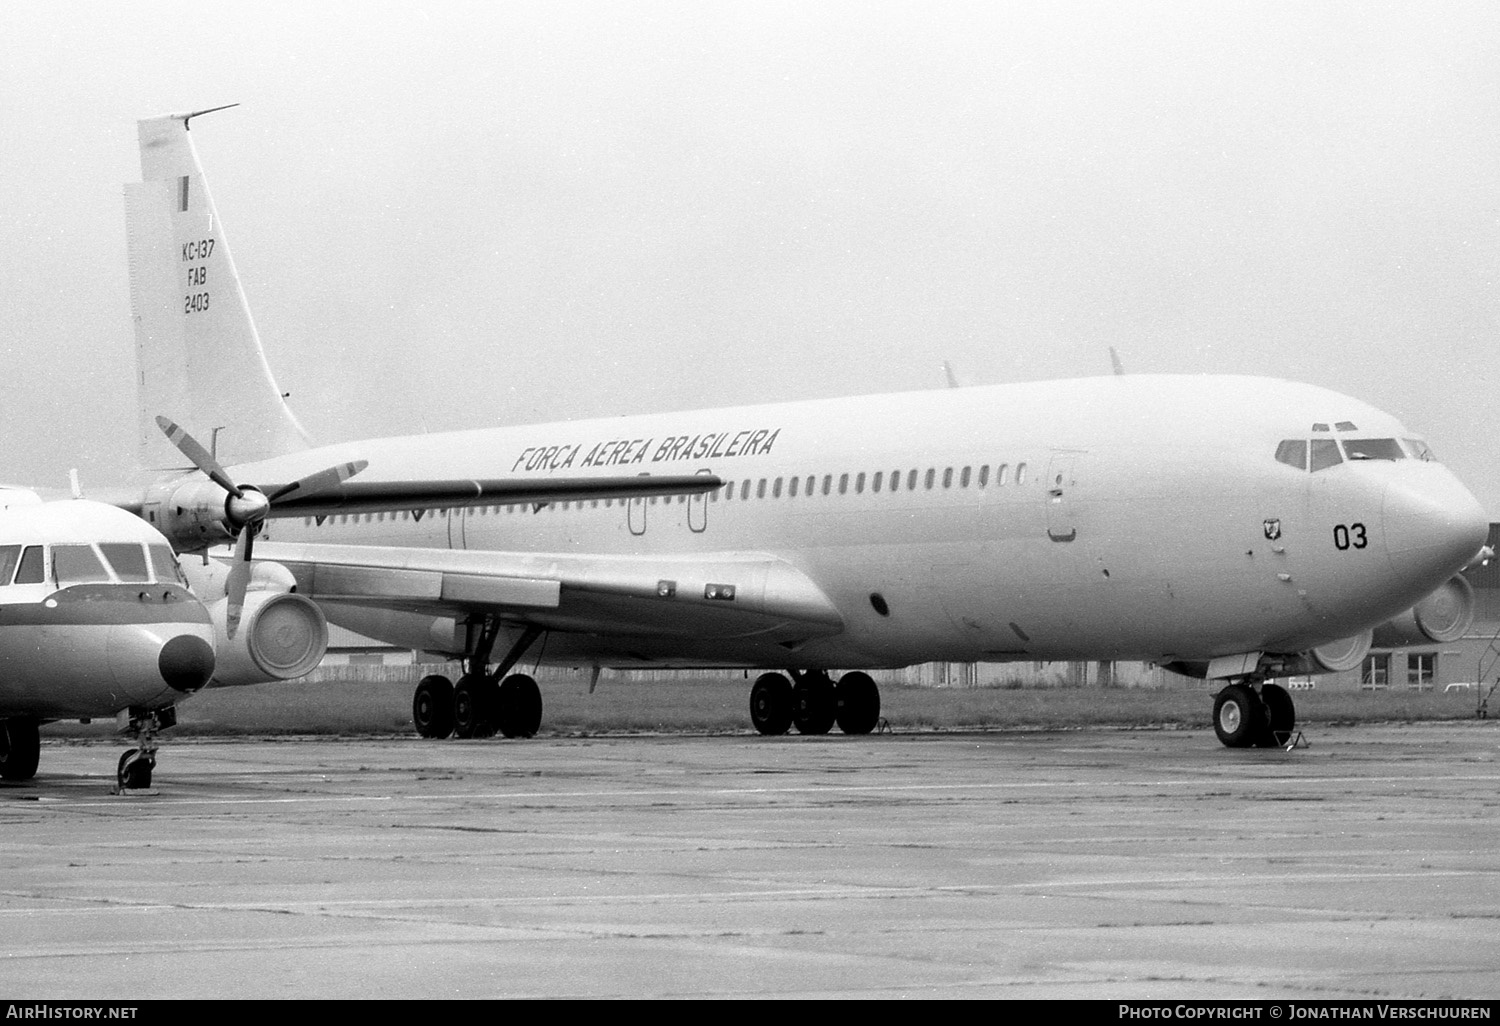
432 707
858 703
771 704
133 772
20 749
1239 716
814 704
1281 716
519 706
473 707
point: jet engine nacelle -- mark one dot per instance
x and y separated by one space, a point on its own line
1442 616
280 636
197 514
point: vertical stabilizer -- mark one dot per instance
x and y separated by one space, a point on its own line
198 357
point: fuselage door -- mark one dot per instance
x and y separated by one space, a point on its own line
635 514
1061 526
697 511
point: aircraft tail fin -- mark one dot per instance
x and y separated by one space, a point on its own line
198 357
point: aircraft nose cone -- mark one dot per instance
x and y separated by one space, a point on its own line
1433 525
186 662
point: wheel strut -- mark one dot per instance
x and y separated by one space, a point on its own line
136 764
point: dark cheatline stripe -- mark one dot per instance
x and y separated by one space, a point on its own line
102 605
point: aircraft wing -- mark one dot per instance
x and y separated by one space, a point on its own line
704 597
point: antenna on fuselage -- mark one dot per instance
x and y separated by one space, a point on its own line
1114 360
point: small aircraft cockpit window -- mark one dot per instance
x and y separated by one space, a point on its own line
1374 449
33 568
1293 452
1345 425
165 565
127 559
76 564
10 555
1325 454
1419 450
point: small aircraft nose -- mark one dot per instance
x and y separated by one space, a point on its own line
186 662
1433 525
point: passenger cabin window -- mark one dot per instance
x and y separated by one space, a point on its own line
127 559
33 568
77 564
10 555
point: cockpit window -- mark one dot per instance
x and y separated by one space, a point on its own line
32 569
1293 452
10 555
128 559
76 564
165 564
1419 449
1325 454
1374 449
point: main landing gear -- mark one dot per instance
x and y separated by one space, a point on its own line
136 764
481 704
1244 718
815 703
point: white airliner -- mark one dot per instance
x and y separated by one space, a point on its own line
95 620
1234 528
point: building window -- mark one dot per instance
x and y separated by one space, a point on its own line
1421 670
1375 674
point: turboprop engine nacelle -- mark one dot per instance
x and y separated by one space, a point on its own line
280 636
197 514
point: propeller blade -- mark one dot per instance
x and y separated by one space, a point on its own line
238 581
198 456
321 481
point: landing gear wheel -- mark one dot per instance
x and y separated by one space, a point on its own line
519 706
1239 717
20 749
134 771
1281 716
432 707
858 703
814 704
474 701
771 704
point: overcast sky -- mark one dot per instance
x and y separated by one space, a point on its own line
452 215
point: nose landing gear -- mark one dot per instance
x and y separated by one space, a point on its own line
133 775
1244 718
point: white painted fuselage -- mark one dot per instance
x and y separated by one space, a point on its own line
1129 517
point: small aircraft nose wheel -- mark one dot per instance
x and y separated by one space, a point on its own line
135 769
